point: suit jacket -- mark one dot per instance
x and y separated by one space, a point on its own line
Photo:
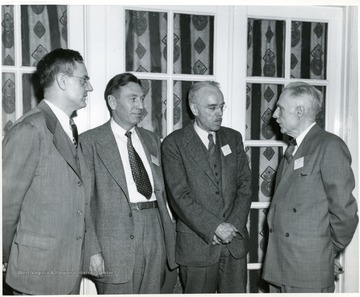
200 204
313 214
110 200
46 206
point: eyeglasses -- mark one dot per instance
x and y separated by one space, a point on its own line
214 108
83 79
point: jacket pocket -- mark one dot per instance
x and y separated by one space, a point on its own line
37 240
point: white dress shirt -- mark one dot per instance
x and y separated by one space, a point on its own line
204 135
62 118
121 140
301 137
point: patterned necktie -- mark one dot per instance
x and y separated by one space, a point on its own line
138 170
211 147
290 149
74 132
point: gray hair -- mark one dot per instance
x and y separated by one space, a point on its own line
198 86
299 89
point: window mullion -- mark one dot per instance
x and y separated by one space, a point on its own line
18 62
170 71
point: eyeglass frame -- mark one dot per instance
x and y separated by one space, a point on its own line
86 79
214 108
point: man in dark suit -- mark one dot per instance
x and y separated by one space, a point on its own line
46 187
313 214
132 221
208 179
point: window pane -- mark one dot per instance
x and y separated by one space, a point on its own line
182 112
8 101
43 29
263 162
308 50
260 105
266 48
146 37
193 44
155 106
31 91
7 22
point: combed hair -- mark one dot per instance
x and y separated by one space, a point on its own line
298 89
118 81
57 61
197 86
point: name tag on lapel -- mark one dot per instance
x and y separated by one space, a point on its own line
155 160
226 150
299 163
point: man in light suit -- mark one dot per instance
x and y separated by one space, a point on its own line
135 230
208 180
46 187
313 214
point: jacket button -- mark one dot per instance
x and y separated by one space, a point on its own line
132 236
79 212
294 210
79 183
270 230
287 234
78 238
217 192
130 214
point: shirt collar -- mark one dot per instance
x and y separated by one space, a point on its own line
301 137
61 115
204 134
118 130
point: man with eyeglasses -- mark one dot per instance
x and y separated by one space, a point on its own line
133 224
47 225
208 180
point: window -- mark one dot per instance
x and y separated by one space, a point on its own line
29 32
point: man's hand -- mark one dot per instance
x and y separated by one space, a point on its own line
215 240
226 232
338 269
5 265
97 266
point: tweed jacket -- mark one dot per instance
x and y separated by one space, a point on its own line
110 204
46 206
200 204
313 214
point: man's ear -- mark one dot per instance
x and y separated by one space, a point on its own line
111 102
61 79
194 109
300 111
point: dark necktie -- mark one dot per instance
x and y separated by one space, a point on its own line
138 170
74 132
290 149
211 147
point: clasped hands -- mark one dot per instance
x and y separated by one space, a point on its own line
224 234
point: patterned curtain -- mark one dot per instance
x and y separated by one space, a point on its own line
265 58
43 28
146 51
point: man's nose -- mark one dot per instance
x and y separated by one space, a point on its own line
276 113
89 87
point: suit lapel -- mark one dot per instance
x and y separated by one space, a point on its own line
150 152
286 172
108 152
60 138
196 150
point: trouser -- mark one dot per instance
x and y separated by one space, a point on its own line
228 275
289 289
150 257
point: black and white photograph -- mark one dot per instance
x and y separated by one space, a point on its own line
180 148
